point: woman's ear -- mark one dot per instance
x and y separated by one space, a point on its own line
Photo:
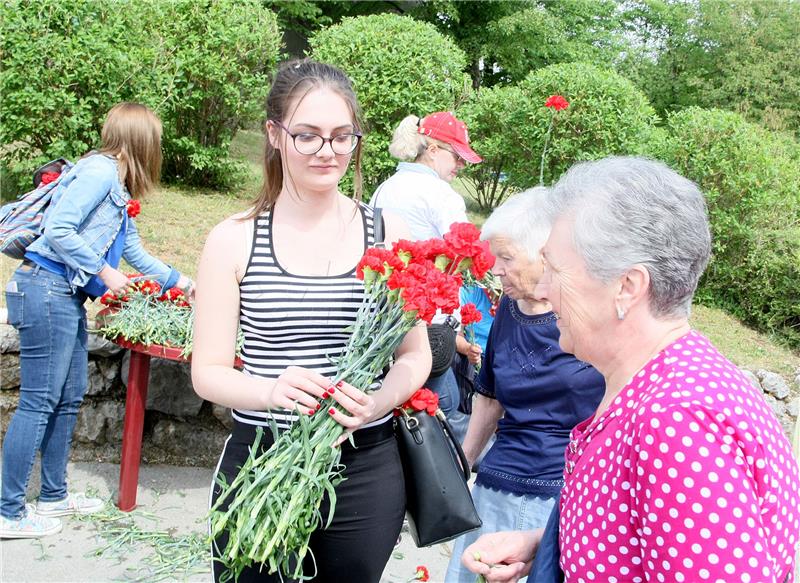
273 134
634 288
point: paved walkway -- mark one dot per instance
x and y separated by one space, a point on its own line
172 499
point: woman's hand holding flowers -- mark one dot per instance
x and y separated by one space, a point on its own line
359 408
297 388
114 280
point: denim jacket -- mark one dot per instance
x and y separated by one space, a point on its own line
83 219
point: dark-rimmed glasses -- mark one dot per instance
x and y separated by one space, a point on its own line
455 154
308 143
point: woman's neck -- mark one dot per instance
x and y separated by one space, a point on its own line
531 307
638 345
311 206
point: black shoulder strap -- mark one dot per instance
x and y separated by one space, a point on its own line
378 226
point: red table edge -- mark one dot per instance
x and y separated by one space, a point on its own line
135 401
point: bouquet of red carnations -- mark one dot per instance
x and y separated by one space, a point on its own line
269 522
144 315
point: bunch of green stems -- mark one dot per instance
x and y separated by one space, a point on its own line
271 508
144 319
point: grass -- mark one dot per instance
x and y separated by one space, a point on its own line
176 220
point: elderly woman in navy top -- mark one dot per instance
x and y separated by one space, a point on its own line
530 392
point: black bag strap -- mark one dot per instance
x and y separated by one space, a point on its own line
450 434
378 227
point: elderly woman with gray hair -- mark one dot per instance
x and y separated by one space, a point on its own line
530 393
683 473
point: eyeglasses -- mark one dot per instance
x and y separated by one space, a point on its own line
308 143
455 155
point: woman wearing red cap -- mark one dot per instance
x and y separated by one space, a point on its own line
431 150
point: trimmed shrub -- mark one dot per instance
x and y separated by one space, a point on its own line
751 179
200 65
607 115
399 66
63 66
218 56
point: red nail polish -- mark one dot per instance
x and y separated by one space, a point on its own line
318 407
331 390
331 411
311 411
325 394
339 384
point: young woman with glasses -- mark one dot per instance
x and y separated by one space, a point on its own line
285 273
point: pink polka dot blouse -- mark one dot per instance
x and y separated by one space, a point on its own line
687 476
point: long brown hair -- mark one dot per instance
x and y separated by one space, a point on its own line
292 80
132 133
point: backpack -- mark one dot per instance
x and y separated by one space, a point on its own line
21 220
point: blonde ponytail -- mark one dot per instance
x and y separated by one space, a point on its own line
407 143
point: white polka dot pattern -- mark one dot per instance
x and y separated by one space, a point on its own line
686 477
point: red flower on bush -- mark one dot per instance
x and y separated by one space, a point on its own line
556 102
470 314
134 208
48 177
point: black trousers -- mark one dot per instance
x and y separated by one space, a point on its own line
369 511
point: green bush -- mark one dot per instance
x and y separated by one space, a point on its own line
62 66
751 179
399 67
606 115
200 65
218 57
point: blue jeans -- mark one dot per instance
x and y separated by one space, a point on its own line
446 386
498 511
51 321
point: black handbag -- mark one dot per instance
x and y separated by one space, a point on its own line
439 505
442 338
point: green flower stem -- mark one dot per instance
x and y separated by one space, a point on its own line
544 150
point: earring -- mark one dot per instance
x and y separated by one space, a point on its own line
620 313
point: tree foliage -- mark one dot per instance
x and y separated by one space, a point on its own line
506 39
752 184
419 71
220 56
606 115
200 65
740 55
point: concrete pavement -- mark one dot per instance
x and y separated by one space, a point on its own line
172 499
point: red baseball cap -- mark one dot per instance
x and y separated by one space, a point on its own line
444 126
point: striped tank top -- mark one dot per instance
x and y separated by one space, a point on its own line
294 320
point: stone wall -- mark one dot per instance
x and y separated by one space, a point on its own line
180 428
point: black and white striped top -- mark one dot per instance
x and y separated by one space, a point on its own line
293 320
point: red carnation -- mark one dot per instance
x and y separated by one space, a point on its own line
134 208
470 314
48 177
422 574
556 102
423 400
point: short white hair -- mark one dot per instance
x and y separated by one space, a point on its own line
631 211
524 218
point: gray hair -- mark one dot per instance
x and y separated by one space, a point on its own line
631 211
524 219
407 142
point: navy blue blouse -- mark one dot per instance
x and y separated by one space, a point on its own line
545 392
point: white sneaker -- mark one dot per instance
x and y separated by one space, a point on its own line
29 526
72 504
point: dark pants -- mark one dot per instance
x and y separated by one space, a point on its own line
369 512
